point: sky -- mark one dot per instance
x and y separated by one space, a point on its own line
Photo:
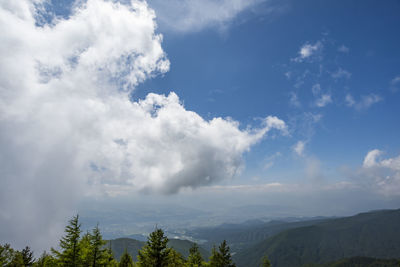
288 107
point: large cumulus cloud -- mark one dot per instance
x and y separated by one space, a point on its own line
68 127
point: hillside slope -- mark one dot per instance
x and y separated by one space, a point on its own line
373 234
242 236
359 262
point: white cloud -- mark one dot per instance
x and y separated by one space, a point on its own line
294 100
270 161
371 157
299 148
341 73
364 102
316 89
323 100
343 49
195 15
308 51
68 127
394 83
396 80
384 175
350 100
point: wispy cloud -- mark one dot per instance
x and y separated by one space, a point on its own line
322 99
395 83
299 148
341 73
195 15
365 101
309 51
294 100
343 49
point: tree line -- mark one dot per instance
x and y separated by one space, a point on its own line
90 250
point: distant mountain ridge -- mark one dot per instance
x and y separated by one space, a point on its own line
372 234
242 236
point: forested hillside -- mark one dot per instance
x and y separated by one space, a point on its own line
359 262
373 234
242 236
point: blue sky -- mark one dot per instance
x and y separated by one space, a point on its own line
291 106
240 72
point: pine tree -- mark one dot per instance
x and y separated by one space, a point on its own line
266 262
70 254
93 250
27 256
174 259
86 250
17 260
126 260
99 252
6 254
45 260
111 260
222 257
194 258
155 252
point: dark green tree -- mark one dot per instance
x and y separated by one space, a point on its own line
27 256
174 258
86 250
17 260
6 254
70 254
265 262
126 260
155 252
222 257
194 259
99 252
93 250
111 261
45 260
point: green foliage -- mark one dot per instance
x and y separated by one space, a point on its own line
100 255
45 260
194 259
155 252
14 258
93 250
86 253
133 246
126 260
27 256
222 257
70 254
174 258
266 262
17 260
6 254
